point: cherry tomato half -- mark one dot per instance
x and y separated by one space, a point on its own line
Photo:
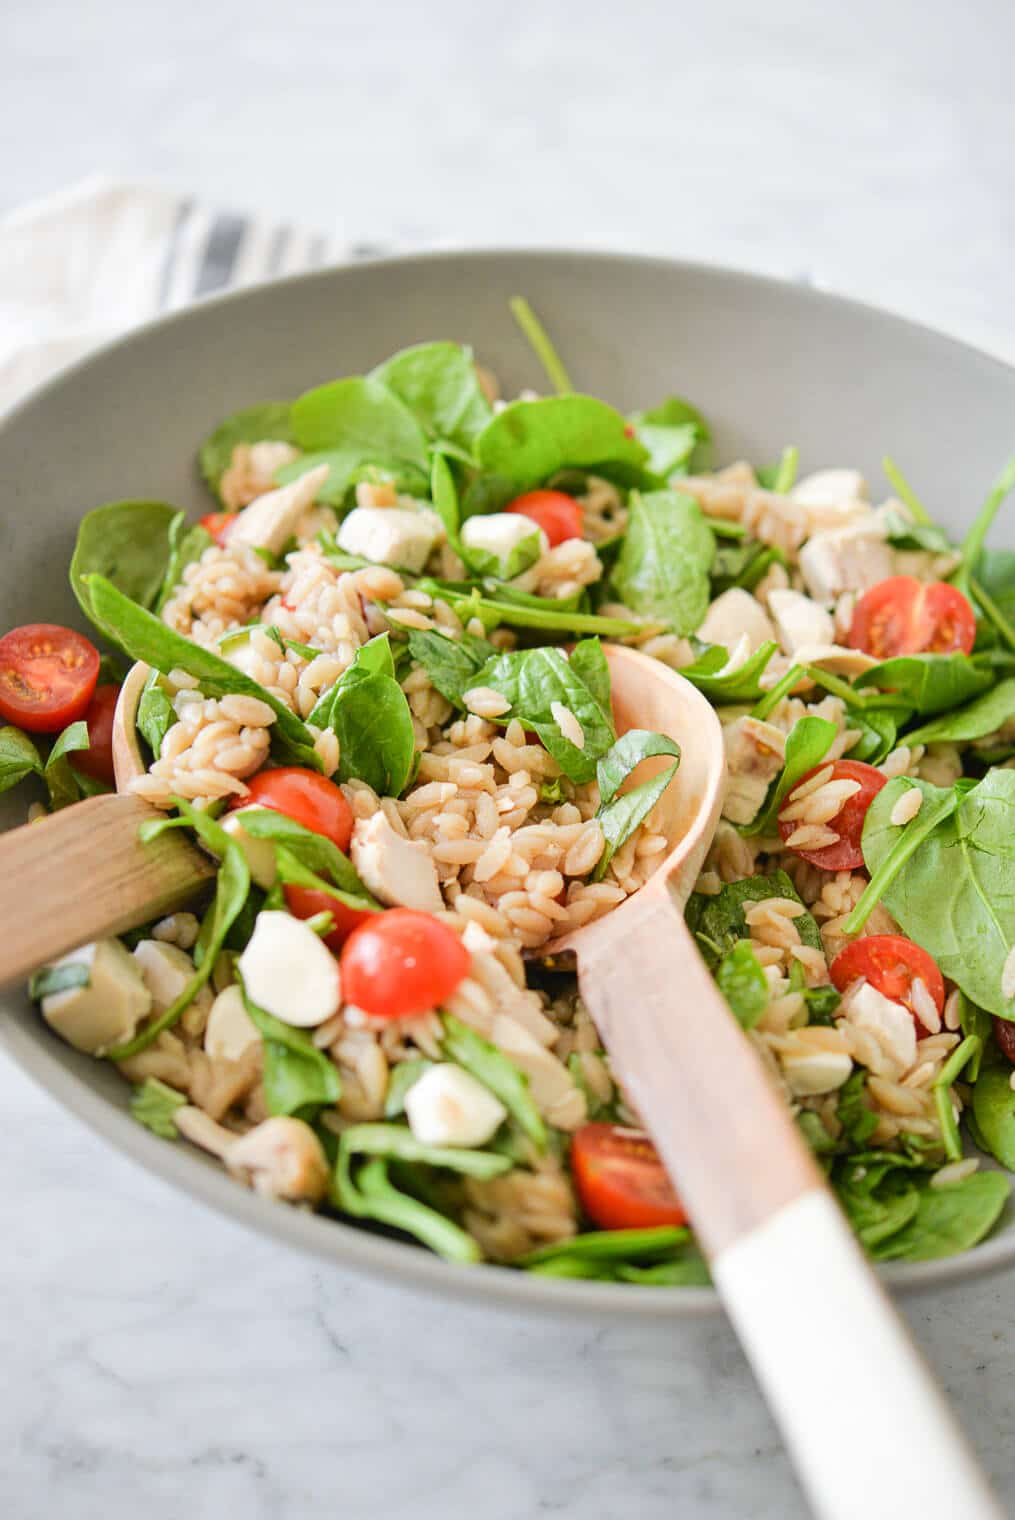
402 963
891 963
47 676
621 1181
97 760
306 797
218 524
905 616
305 902
558 514
1004 1034
845 854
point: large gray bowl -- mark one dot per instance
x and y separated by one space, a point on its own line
768 363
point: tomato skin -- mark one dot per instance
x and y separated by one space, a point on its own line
47 676
305 902
905 616
1004 1034
402 963
306 797
891 963
846 854
558 514
97 760
218 524
621 1182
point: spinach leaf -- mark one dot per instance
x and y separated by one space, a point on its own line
359 421
528 441
154 1105
444 495
313 851
377 743
718 922
502 604
268 422
589 663
299 1079
373 1196
439 384
155 713
876 1213
674 433
665 558
621 759
977 1021
879 731
451 664
994 1112
996 576
723 686
858 1121
929 683
403 1076
901 533
974 721
954 893
60 779
128 543
743 564
18 757
620 818
490 1066
904 491
948 1219
535 680
742 983
688 1270
779 477
185 545
147 638
965 1053
807 743
612 1245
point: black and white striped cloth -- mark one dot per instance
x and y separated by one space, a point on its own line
95 260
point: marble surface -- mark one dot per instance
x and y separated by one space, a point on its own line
155 1359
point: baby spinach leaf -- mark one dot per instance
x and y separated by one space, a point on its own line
145 637
718 922
688 1270
976 1021
879 730
808 742
128 543
444 495
270 422
299 1079
452 664
590 664
377 744
403 1076
742 983
155 713
975 721
154 1104
533 680
542 347
858 1121
994 1112
996 575
439 384
621 759
529 441
673 433
621 818
964 1055
361 420
779 477
875 1213
743 564
929 683
948 1219
612 1245
490 1066
18 757
60 779
723 686
395 1142
373 1196
311 850
663 567
186 545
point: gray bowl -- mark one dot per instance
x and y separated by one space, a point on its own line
768 363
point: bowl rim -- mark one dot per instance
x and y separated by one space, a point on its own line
348 1245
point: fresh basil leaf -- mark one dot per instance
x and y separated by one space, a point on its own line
621 818
451 664
722 686
742 983
948 1219
403 1076
128 543
269 422
975 721
377 744
590 664
528 441
718 922
186 545
807 744
630 750
929 683
299 1079
675 434
18 757
490 1066
533 680
439 384
313 851
154 1105
147 638
155 713
53 979
665 559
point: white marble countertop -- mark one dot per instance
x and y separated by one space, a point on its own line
155 1359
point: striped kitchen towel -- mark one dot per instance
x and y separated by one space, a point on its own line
92 261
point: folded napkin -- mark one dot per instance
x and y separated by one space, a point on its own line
94 260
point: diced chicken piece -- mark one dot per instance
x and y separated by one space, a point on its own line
399 872
889 1022
853 558
500 533
288 972
281 1158
258 853
166 970
809 1072
107 1008
447 1106
754 757
800 621
230 1031
271 521
734 615
552 1086
830 488
391 536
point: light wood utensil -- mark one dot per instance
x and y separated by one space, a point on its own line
869 1431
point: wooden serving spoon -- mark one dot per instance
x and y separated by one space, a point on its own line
870 1433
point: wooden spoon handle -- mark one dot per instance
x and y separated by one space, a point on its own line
83 874
870 1433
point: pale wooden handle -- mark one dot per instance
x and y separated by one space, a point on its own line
868 1429
83 874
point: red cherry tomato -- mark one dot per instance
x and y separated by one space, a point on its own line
218 524
1004 1034
305 902
47 676
402 963
558 514
906 616
891 963
304 796
97 760
845 854
621 1181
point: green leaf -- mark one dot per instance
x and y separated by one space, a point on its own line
977 1021
128 543
929 683
53 979
311 850
948 1219
60 779
742 983
439 385
723 687
781 476
403 1076
451 664
904 491
147 638
689 1270
975 721
528 441
154 1105
879 731
973 544
858 1121
994 1112
807 743
877 1213
186 545
267 423
155 713
662 571
444 495
360 420
372 720
719 921
18 757
612 1245
395 1142
630 749
373 1196
743 565
299 1079
623 816
673 432
541 345
532 680
488 1065
590 664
